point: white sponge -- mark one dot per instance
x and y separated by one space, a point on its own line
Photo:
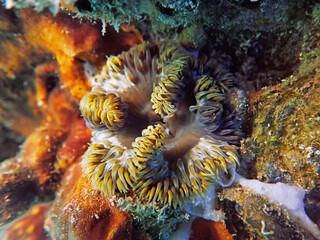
290 197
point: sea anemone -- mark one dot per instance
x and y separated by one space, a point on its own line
163 131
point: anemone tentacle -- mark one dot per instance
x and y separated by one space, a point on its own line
130 73
103 110
170 88
149 145
225 79
163 131
206 90
102 165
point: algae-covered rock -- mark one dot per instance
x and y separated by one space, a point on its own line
250 215
286 127
283 146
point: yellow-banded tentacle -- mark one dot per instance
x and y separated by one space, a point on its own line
209 109
208 66
103 110
196 68
214 156
138 63
223 78
168 190
206 90
149 144
132 73
148 149
104 167
93 157
174 188
208 114
170 87
228 129
113 67
156 183
115 169
164 189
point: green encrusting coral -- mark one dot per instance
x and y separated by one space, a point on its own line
158 16
237 24
158 222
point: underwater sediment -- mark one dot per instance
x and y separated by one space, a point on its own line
127 122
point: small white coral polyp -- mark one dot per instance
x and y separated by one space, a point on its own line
177 101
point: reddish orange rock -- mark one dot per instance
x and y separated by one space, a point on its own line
74 146
72 42
209 230
39 151
46 79
80 212
29 227
17 54
55 102
65 111
30 176
21 123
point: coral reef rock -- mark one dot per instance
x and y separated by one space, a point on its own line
79 212
152 142
30 226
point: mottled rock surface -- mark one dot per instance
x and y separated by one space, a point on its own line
273 50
